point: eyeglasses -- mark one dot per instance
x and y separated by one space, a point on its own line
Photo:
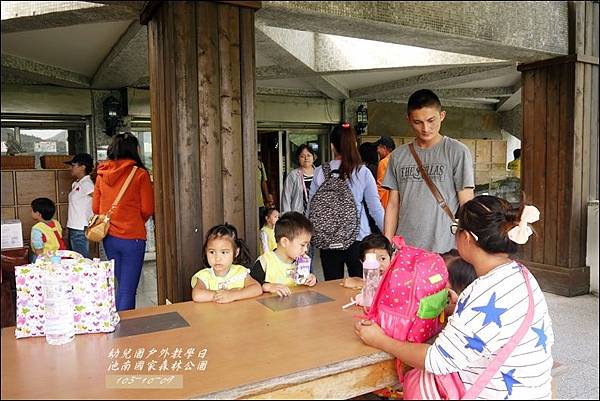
455 228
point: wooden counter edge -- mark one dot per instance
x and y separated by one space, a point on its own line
357 376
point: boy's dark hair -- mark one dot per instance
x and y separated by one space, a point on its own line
292 224
490 218
374 241
423 98
230 232
517 153
460 273
45 207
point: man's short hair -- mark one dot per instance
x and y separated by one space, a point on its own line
387 142
291 225
423 98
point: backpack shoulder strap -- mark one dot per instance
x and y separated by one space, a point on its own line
372 313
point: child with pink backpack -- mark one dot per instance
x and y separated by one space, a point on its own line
497 344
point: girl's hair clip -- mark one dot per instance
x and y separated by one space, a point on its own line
346 125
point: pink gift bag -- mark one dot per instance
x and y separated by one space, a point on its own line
93 281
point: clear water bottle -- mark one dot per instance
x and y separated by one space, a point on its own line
371 278
58 299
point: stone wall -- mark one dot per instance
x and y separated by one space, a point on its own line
390 119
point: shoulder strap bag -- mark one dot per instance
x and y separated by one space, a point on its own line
100 223
434 190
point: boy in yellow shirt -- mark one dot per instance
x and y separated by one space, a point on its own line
276 270
46 234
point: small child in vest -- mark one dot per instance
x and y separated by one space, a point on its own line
46 234
276 270
227 278
380 246
267 231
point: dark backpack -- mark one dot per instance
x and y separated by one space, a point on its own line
333 213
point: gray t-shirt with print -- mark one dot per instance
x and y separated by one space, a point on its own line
422 222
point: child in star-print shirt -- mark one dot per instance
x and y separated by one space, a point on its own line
488 312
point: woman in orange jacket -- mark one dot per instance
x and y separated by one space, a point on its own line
126 239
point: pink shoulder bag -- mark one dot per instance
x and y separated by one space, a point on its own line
422 385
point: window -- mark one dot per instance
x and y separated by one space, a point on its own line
45 141
44 135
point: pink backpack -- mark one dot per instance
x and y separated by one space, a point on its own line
412 295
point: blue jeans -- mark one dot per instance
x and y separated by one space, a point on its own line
129 260
79 243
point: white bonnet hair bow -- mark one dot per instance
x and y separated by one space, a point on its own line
521 232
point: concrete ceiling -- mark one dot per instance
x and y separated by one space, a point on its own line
57 47
355 80
113 54
263 60
292 83
510 79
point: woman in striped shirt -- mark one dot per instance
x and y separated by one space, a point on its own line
489 311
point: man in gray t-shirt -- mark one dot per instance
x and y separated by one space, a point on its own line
412 210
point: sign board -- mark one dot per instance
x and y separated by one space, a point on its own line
12 234
44 147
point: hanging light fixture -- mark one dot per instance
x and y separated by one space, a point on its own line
112 115
362 119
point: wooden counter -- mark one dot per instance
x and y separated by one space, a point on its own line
252 352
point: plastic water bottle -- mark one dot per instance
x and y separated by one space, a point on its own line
371 278
302 269
58 299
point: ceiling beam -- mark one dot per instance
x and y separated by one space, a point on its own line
288 92
462 93
276 72
273 72
438 79
137 6
43 73
498 30
34 19
287 53
465 104
512 101
126 61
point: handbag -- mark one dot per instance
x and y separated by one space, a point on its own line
422 385
93 281
434 190
100 223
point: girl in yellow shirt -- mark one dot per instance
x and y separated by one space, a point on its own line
267 232
227 278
